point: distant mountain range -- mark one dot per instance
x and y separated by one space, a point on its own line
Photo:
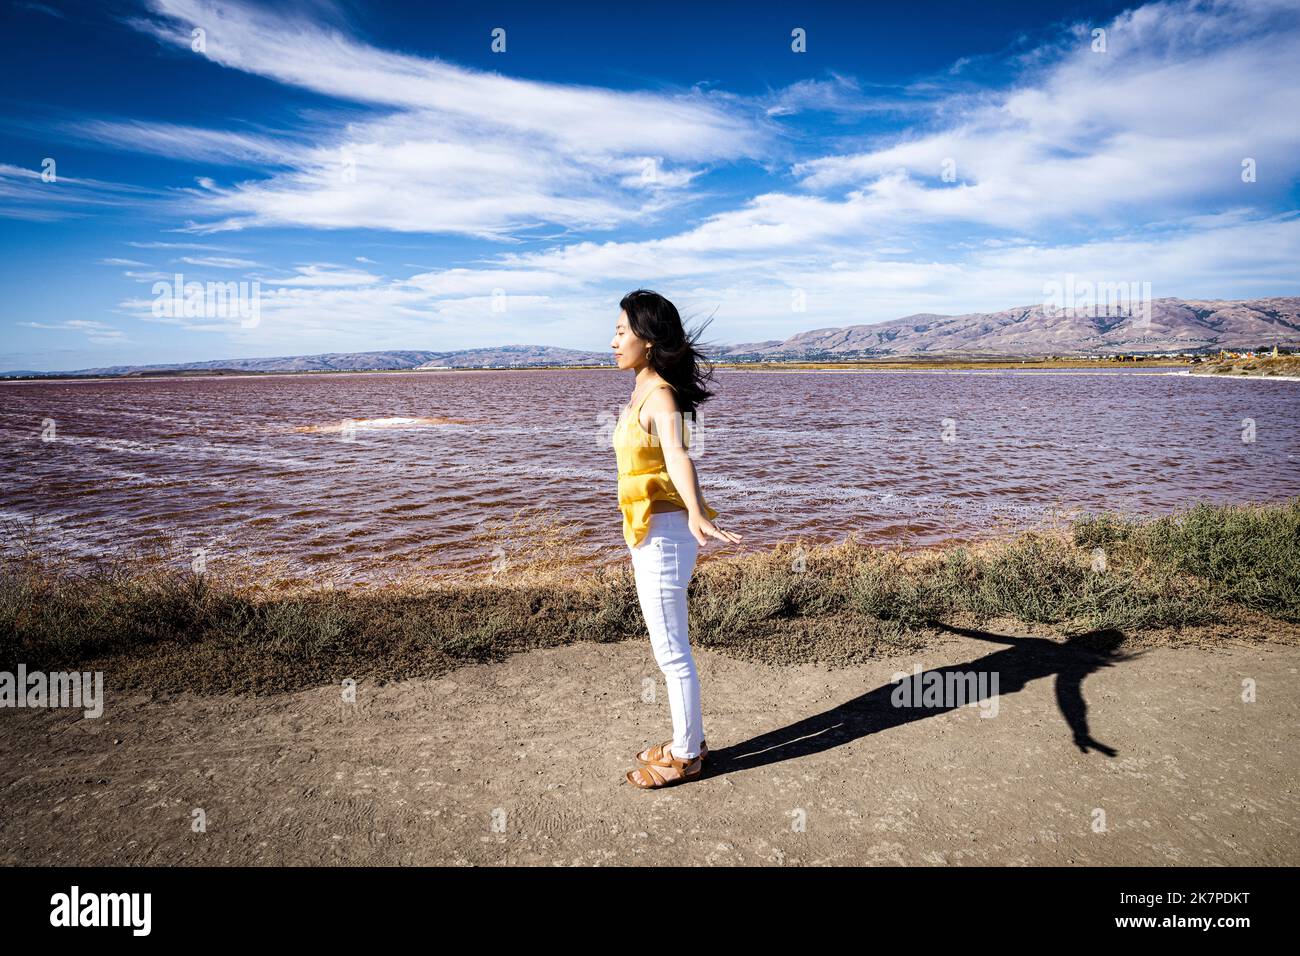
1173 325
502 356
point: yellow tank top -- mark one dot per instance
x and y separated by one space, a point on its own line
643 474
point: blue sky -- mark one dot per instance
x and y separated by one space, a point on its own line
390 181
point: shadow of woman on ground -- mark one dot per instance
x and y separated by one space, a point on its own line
1024 659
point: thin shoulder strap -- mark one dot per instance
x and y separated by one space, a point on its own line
647 395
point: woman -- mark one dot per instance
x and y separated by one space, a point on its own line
665 517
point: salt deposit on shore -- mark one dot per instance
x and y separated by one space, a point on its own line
1225 375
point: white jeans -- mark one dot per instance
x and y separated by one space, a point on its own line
662 564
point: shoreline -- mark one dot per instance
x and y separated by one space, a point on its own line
886 365
162 627
1168 366
1284 368
1014 370
1242 377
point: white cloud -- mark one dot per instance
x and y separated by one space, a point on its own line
688 126
844 95
558 302
98 332
41 8
182 245
323 275
224 147
454 150
1158 124
27 194
220 262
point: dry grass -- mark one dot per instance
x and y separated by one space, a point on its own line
151 623
1261 366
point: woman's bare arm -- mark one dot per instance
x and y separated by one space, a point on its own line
667 428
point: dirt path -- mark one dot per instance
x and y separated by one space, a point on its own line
522 762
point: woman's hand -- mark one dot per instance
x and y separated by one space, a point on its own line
701 526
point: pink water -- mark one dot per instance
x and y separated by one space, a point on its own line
257 467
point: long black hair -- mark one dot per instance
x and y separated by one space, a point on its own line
675 355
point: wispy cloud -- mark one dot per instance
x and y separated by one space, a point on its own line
221 262
223 147
454 150
325 275
44 8
46 194
1160 122
97 332
845 95
202 246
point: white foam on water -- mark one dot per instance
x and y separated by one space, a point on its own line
394 421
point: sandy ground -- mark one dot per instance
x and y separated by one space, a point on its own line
522 762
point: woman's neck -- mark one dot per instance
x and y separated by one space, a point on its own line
644 377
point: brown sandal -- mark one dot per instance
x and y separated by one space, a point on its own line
655 754
649 777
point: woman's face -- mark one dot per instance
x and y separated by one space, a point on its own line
629 351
